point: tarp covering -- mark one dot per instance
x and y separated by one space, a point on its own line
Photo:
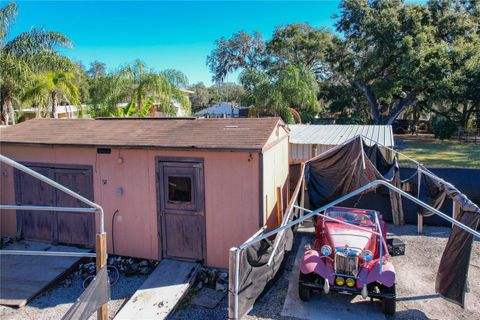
452 273
95 295
341 170
255 275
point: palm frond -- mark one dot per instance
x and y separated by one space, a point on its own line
36 41
8 15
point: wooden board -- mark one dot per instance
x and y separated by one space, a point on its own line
160 293
24 277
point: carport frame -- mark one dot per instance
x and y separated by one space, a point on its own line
101 238
235 251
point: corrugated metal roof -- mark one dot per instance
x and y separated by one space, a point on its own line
331 134
229 134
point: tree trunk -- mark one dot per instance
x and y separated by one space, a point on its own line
372 101
37 111
399 105
10 111
54 105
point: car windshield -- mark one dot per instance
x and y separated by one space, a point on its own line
358 218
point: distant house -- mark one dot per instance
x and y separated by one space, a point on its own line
223 110
62 112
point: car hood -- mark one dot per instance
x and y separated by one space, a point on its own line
340 235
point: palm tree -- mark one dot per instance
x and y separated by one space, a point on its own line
141 89
62 87
277 92
21 57
38 93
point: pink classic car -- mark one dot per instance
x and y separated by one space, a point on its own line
350 256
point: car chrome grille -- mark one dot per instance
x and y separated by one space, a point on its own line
346 264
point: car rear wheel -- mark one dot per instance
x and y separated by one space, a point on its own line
305 292
389 304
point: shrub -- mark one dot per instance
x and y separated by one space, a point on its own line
444 128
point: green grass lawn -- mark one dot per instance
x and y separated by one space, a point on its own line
435 153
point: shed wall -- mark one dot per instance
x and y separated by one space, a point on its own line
231 195
275 174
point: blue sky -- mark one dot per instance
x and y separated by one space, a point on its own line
163 34
176 35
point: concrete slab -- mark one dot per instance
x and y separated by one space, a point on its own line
160 293
24 277
322 306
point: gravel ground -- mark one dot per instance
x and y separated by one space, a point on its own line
416 273
53 304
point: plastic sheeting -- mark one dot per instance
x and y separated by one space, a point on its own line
95 295
340 170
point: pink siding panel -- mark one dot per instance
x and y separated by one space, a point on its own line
129 186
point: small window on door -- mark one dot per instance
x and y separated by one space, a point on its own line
179 189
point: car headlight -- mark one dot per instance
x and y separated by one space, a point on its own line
339 281
350 282
326 250
367 255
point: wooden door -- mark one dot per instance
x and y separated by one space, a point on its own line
181 214
59 227
74 227
35 225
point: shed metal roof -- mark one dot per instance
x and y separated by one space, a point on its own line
336 134
226 134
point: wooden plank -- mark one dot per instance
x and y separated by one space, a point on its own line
279 206
24 277
231 283
101 261
160 293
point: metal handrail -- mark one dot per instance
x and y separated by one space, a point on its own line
44 208
57 186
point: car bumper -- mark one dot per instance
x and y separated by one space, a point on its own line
349 291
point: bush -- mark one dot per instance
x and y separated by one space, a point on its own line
444 128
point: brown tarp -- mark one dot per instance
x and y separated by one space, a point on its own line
452 272
340 170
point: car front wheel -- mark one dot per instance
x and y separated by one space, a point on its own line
305 292
389 304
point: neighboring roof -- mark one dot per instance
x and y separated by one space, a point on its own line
220 109
331 134
229 134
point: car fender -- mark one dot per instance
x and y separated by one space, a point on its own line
321 265
369 275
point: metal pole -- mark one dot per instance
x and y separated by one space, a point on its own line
256 234
237 273
55 185
419 216
340 221
48 253
43 208
354 193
